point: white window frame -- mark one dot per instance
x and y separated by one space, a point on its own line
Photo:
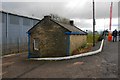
35 47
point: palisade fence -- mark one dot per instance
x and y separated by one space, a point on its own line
14 28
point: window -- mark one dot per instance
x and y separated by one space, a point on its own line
14 19
36 44
2 17
26 22
35 22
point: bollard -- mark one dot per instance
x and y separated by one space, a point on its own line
109 37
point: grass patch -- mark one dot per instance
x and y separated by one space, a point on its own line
90 38
85 47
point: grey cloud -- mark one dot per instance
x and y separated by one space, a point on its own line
83 24
83 13
39 9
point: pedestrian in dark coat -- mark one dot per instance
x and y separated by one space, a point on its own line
119 35
114 34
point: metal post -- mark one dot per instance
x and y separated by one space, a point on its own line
6 50
68 49
93 24
29 45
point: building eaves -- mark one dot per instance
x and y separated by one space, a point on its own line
29 17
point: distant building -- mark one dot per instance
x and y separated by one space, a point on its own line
14 28
52 38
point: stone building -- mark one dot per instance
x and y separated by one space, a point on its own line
51 38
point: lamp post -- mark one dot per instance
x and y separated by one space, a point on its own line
93 23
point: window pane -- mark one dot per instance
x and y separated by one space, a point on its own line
26 22
2 17
35 22
14 19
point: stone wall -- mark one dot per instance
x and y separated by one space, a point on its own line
76 41
52 40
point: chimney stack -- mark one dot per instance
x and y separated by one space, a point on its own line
47 17
71 22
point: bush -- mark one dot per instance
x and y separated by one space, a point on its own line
100 38
90 38
83 45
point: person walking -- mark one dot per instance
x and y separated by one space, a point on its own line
114 34
119 35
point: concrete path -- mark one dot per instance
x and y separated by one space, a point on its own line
102 65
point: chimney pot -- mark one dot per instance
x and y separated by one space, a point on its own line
71 22
47 16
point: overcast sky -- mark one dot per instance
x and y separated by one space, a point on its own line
78 10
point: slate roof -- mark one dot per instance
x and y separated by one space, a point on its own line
66 26
70 27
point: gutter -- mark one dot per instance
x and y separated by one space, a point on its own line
74 56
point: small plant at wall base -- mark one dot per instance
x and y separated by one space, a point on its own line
85 47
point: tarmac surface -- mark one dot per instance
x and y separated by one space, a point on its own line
101 65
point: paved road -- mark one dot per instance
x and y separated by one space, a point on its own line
102 65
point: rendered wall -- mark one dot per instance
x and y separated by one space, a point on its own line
76 41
